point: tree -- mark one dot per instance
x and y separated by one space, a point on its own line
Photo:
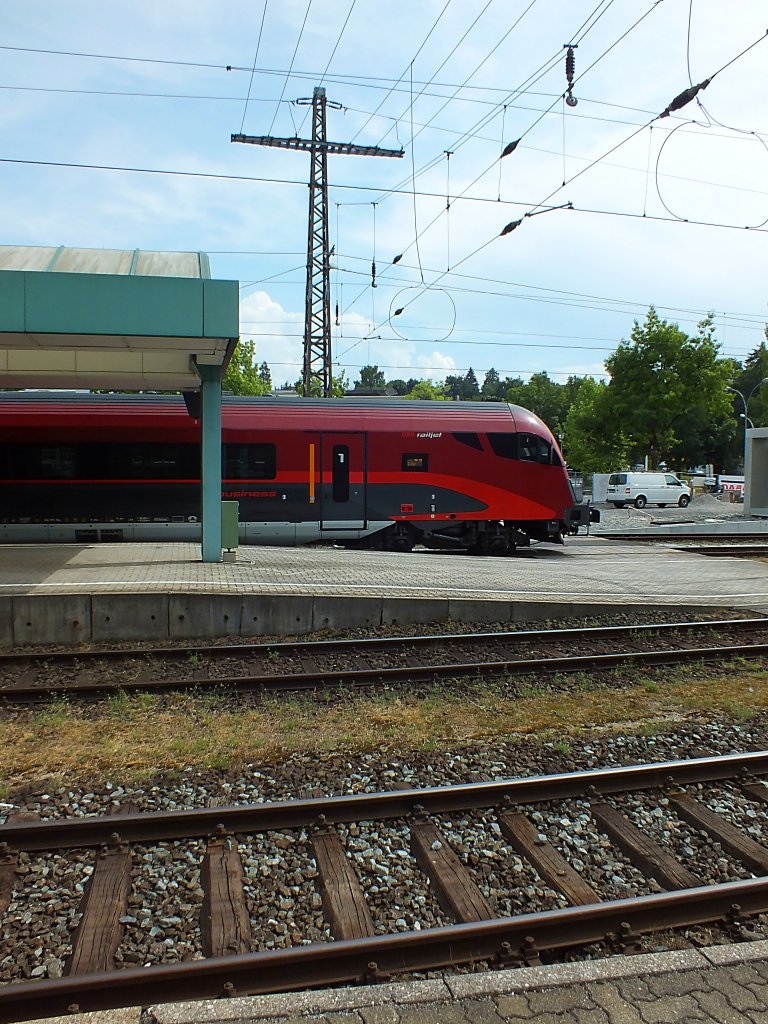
592 441
491 389
339 386
664 383
548 400
453 386
471 389
372 377
465 389
400 387
748 383
241 376
265 376
425 389
510 388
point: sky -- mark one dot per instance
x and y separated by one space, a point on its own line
116 121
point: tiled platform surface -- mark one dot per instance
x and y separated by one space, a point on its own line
88 593
716 985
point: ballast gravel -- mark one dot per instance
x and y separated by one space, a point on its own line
161 924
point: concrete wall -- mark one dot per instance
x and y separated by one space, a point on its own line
74 620
756 473
599 487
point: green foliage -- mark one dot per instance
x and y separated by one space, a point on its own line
242 377
550 401
339 386
593 442
491 390
265 376
426 390
372 377
666 386
465 389
748 382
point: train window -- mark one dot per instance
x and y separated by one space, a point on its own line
340 473
57 462
250 462
415 462
529 449
40 461
145 462
472 440
504 445
544 451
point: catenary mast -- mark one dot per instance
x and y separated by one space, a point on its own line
316 377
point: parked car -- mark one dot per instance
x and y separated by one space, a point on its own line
640 489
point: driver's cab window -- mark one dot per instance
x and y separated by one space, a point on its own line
672 480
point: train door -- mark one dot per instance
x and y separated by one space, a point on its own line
342 481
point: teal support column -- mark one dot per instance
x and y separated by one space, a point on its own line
210 384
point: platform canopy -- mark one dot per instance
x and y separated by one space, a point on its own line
118 319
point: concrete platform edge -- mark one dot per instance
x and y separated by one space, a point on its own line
292 1005
79 619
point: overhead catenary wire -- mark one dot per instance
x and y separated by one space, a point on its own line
327 66
255 58
623 142
603 212
478 67
288 74
201 97
583 29
534 77
539 207
542 207
408 66
447 369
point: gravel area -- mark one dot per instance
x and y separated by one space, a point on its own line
702 509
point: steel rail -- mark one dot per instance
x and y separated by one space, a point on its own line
649 535
355 961
251 818
318 647
726 550
369 676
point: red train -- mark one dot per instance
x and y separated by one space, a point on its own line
379 473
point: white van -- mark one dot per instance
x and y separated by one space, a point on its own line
639 489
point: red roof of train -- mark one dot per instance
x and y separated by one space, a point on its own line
342 414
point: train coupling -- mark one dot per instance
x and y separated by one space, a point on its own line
580 515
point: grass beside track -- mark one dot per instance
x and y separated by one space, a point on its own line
139 737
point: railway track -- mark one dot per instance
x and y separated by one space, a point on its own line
646 815
656 534
727 550
395 661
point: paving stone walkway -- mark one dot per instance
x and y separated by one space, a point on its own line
718 985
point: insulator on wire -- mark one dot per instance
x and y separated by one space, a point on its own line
511 226
570 65
373 274
337 314
685 97
397 259
570 68
509 148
